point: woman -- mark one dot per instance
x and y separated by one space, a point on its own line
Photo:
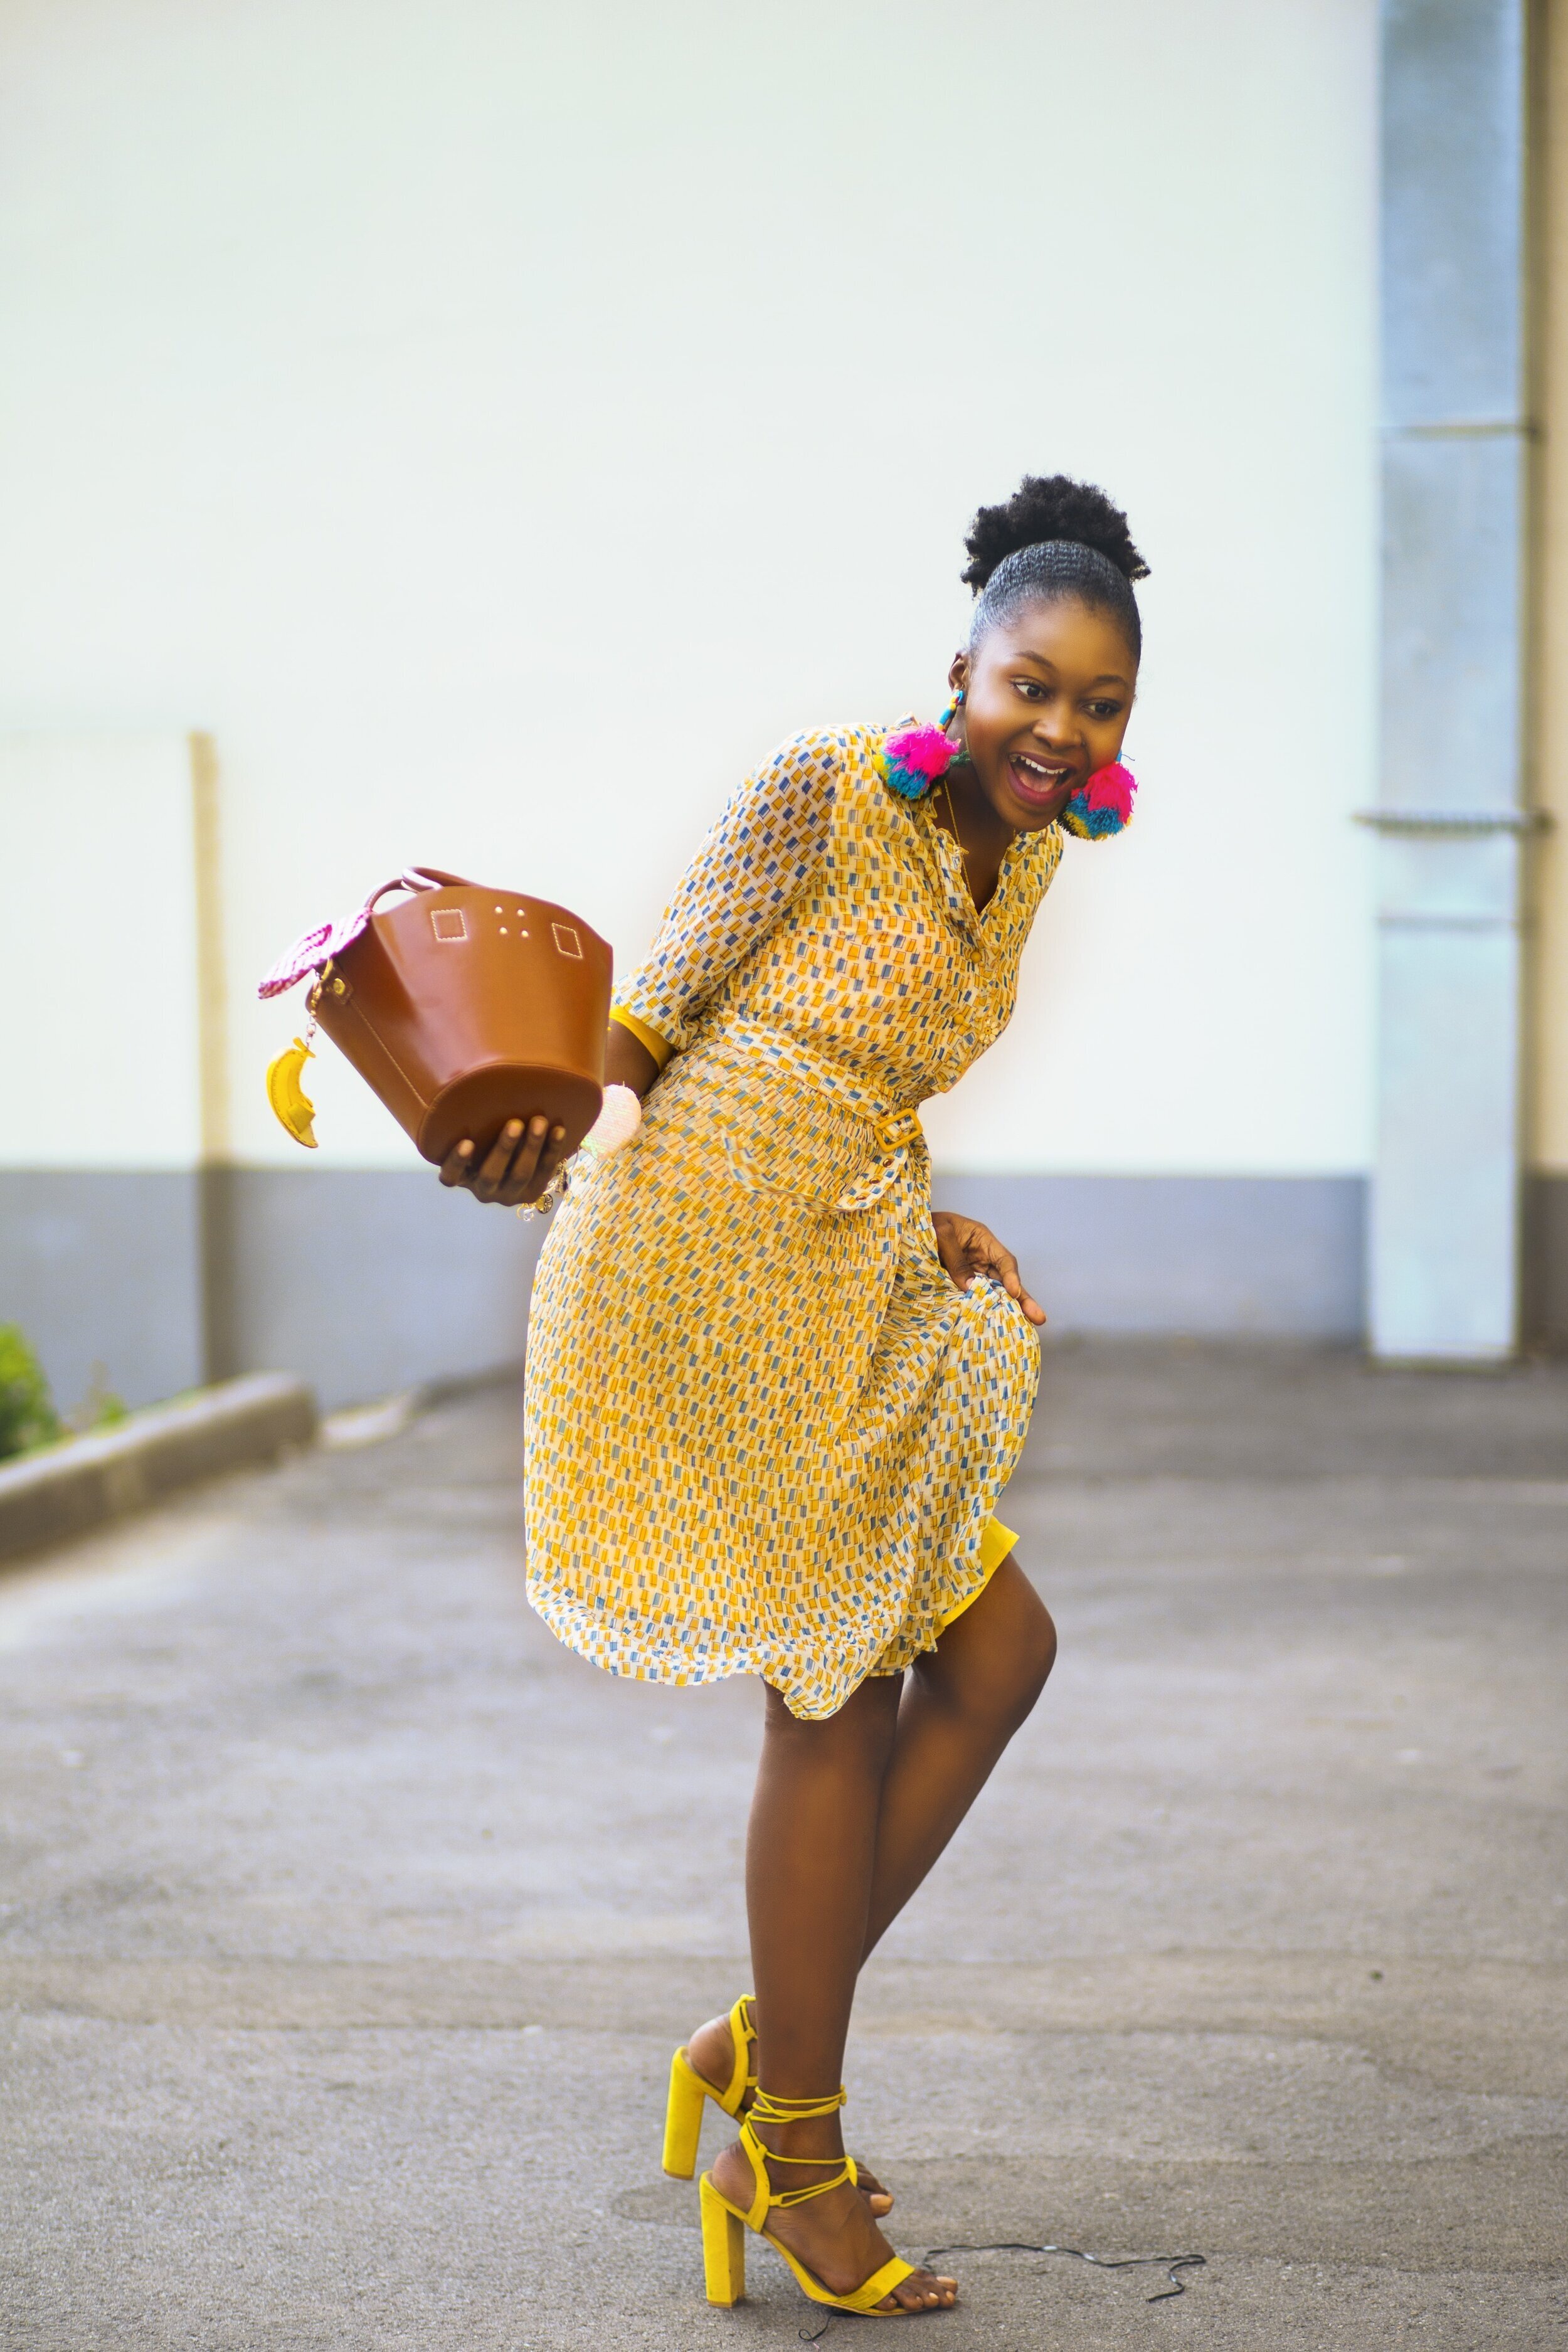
773 1397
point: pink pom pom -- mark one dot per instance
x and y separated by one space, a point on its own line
925 750
1112 788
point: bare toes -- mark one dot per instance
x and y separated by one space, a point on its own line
923 2292
878 2198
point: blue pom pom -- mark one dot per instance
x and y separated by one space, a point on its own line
1090 825
908 782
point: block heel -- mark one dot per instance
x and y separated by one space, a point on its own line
688 2090
723 2249
724 2225
683 2117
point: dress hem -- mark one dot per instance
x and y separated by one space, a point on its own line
997 1544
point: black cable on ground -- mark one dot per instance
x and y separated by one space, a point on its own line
1171 2264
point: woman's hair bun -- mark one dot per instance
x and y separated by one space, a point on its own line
1050 506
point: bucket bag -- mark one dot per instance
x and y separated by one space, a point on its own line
461 1007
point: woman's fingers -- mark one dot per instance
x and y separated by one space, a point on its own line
966 1248
550 1159
955 1246
959 1263
534 1162
492 1171
516 1168
1000 1263
508 1162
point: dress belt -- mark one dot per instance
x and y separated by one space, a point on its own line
898 1134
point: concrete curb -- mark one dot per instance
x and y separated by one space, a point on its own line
81 1484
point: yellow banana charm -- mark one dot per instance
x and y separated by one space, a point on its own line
292 1108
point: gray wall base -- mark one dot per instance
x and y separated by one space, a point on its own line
359 1280
1279 1255
362 1280
366 1281
101 1269
1546 1262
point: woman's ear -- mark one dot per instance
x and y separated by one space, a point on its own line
958 676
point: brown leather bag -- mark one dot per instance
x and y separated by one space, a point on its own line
465 1007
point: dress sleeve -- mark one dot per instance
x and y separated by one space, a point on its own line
760 853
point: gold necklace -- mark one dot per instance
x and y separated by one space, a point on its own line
953 821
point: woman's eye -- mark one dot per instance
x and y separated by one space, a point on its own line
1029 688
1104 709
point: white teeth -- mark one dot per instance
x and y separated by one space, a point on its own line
1052 775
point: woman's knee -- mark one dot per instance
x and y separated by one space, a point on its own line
1029 1655
1002 1658
1039 1652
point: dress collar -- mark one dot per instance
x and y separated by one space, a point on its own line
1024 853
1021 861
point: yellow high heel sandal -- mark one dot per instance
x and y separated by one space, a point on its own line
724 2225
688 2090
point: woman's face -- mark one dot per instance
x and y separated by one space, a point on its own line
1046 697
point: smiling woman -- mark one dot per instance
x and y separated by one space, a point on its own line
1048 678
774 1397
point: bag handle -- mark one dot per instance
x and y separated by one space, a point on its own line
418 877
317 948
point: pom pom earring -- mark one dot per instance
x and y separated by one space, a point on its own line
918 757
1103 805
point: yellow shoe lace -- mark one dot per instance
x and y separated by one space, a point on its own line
766 2109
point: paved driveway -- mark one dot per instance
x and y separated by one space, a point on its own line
346 1922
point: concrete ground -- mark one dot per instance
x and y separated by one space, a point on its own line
347 1923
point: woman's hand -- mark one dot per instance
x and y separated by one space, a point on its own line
967 1249
526 1153
518 1166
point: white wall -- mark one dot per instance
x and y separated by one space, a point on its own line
100 968
498 423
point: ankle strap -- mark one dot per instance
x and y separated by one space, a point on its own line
743 2043
766 2109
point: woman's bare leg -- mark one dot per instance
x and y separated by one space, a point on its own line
810 1852
849 1816
962 1703
712 2053
810 1857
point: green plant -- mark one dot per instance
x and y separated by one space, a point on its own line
28 1416
99 1408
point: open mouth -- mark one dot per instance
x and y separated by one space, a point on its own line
1038 782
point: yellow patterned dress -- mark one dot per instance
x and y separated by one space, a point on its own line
764 1430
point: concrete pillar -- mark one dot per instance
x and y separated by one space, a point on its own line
1444 1230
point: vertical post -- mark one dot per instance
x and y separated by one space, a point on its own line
1444 1232
216 1197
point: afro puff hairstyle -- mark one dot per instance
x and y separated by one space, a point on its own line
1054 537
